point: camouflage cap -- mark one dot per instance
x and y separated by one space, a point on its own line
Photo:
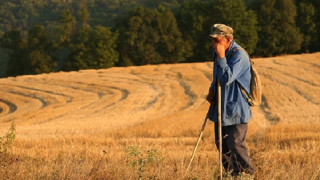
221 30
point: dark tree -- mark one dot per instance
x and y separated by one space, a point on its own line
197 17
278 33
91 48
17 45
151 37
38 55
307 25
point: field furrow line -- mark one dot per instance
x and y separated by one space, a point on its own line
67 97
60 109
68 85
311 64
149 80
11 107
30 95
292 87
187 89
83 88
301 64
293 77
207 73
266 109
20 106
124 93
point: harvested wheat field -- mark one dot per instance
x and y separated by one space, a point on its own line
143 122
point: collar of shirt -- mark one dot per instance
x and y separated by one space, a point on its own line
228 51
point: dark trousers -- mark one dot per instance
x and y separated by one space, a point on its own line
235 156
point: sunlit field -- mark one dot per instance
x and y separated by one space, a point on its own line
143 122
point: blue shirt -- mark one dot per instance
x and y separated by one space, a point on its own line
231 70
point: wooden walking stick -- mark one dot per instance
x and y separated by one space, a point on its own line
197 143
219 127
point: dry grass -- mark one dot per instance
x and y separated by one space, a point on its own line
90 124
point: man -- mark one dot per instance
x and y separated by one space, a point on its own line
232 68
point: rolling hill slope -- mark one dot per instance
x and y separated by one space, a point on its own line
155 105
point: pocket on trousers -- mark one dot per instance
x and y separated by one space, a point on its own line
233 109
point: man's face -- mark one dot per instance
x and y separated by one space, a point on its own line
220 40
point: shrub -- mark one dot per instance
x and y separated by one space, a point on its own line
6 141
135 157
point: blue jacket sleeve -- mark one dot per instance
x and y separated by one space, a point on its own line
229 72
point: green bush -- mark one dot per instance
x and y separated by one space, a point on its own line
6 141
135 157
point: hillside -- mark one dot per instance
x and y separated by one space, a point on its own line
64 116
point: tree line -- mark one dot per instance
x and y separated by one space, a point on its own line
64 35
